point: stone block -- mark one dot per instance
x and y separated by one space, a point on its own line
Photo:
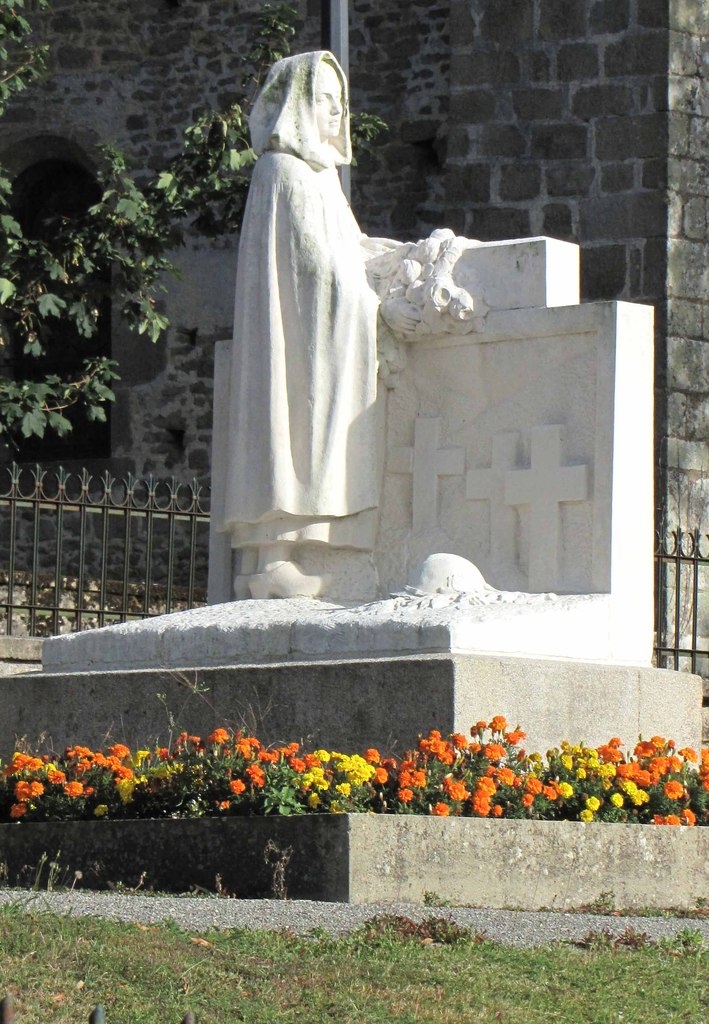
654 13
643 53
539 64
562 19
493 223
519 181
590 101
604 270
368 859
473 105
684 318
655 173
485 67
388 701
468 184
558 221
617 217
609 16
577 61
560 141
627 138
618 177
538 104
508 20
569 178
501 140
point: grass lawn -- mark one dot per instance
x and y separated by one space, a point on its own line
58 968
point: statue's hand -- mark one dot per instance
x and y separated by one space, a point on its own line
400 315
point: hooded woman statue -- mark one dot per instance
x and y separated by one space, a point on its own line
303 428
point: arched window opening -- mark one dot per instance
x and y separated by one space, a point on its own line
45 194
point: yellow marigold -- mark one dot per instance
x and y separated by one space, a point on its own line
313 801
335 808
315 779
100 811
355 769
565 790
140 756
344 789
586 815
617 799
639 797
607 771
593 803
567 761
125 789
322 755
580 773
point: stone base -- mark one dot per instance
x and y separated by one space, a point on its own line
577 627
364 858
354 704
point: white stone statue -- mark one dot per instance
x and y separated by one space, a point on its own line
302 465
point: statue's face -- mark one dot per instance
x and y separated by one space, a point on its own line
328 102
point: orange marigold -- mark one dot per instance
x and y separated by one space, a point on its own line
514 737
506 776
237 786
459 741
533 785
645 748
527 799
56 777
494 751
257 775
499 723
418 779
454 789
381 775
74 789
372 756
405 795
689 754
218 737
688 817
487 786
119 750
674 790
25 791
17 810
269 756
441 810
297 764
481 805
497 811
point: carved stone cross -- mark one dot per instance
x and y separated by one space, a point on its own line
427 462
543 487
488 484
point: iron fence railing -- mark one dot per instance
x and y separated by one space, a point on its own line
682 600
97 1015
79 550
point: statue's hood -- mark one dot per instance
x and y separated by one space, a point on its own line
283 116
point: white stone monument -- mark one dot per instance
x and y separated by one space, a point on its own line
469 532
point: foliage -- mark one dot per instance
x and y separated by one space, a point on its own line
122 246
486 776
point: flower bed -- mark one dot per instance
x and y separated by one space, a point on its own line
485 776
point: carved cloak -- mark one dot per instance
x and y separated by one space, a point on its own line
302 444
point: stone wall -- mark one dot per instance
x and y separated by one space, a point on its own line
581 119
687 382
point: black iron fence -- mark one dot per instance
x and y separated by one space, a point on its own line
78 551
97 1015
682 600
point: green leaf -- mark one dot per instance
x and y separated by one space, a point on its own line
50 305
34 422
165 180
129 208
7 290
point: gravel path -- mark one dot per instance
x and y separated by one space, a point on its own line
194 914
